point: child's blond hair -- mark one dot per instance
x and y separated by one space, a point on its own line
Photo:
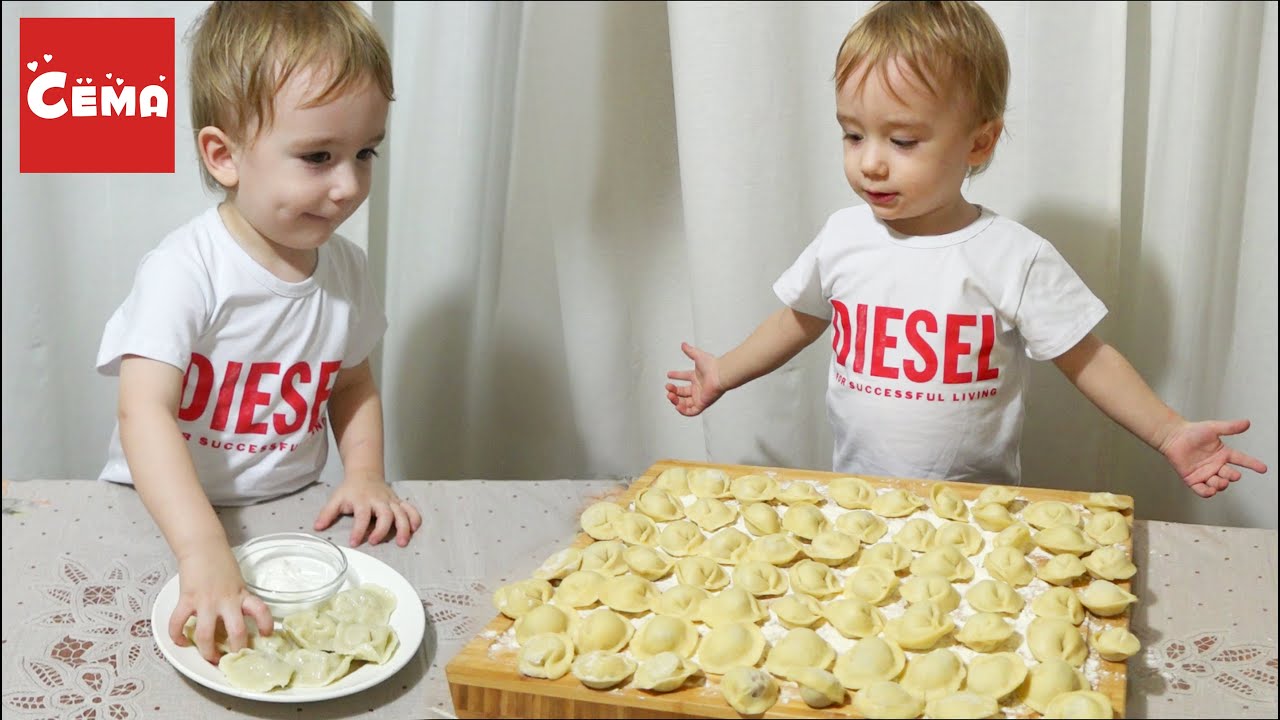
243 53
950 43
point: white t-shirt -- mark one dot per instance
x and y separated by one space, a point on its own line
260 355
931 340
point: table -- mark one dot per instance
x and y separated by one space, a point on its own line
83 561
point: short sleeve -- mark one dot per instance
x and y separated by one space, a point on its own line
165 312
800 286
368 319
1057 309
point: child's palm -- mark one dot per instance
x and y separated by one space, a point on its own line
1203 461
704 386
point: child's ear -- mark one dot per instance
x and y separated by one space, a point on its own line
984 141
218 154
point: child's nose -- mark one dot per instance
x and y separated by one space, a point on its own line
872 163
345 183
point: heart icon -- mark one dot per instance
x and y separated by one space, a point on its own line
119 80
89 80
79 81
161 78
108 76
31 66
47 57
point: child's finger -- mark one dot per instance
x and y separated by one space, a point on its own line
177 621
1248 461
254 607
383 517
404 530
1203 490
361 524
329 513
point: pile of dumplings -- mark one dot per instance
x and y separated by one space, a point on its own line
835 593
315 647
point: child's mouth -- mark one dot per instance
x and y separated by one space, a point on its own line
880 198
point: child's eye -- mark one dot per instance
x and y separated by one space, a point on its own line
853 137
316 158
367 154
905 143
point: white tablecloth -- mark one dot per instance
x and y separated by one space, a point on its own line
82 563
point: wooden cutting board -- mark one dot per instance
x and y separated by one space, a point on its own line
484 681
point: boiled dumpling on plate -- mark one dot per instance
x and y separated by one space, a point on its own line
367 604
371 643
256 670
316 668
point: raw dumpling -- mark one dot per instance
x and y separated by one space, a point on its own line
316 668
962 705
629 593
896 503
636 529
543 619
559 565
996 675
797 611
579 589
1050 513
916 535
963 536
605 558
889 555
775 549
710 513
985 632
1061 569
727 547
931 589
701 572
256 670
869 661
647 562
1104 598
799 492
799 648
660 505
818 688
761 519
992 516
873 583
813 578
681 538
1110 563
1048 638
920 627
1115 644
732 645
1101 501
760 578
733 605
852 492
682 601
1010 565
748 690
597 520
603 629
1108 528
753 488
1015 536
867 527
995 596
1080 704
549 656
517 598
664 672
601 670
805 520
1065 539
947 503
854 617
1059 603
1049 679
832 547
664 633
709 483
944 560
674 480
934 675
997 494
887 699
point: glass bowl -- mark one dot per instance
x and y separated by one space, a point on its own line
292 572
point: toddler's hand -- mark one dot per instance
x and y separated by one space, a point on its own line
704 386
371 498
212 589
1203 461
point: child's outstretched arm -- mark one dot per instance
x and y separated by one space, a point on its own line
1194 449
778 339
211 587
355 411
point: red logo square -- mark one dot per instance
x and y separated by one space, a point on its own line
96 95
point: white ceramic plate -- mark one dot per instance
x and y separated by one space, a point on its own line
408 620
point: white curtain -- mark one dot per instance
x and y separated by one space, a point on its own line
572 189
